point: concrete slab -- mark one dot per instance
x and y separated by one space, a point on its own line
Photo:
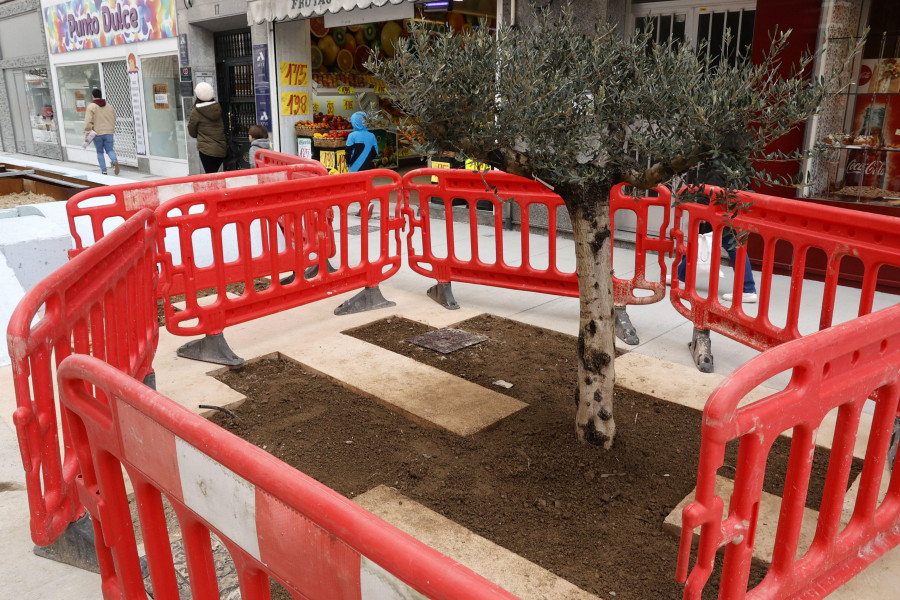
508 570
766 526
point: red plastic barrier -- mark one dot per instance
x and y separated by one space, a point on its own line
271 158
243 213
837 232
834 369
275 521
531 197
106 207
100 303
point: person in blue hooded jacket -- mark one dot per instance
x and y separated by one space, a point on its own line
361 145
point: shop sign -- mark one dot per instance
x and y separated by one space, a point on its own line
345 90
261 88
184 57
83 24
294 103
137 115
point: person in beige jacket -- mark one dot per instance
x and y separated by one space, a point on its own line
101 118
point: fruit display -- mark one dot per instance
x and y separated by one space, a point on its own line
333 80
332 121
333 134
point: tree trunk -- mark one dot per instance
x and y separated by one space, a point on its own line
588 207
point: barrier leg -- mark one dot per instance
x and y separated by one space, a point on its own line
150 380
212 349
442 293
74 547
309 273
701 350
625 331
366 299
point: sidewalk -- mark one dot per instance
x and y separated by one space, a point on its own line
664 335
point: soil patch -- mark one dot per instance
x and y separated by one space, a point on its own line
591 516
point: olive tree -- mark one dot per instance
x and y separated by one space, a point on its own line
583 113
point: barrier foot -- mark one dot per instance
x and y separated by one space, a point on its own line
701 349
625 331
211 349
309 273
150 380
369 298
74 547
442 293
895 441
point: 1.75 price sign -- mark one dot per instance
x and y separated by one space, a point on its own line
294 103
293 73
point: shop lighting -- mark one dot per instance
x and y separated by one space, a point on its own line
436 6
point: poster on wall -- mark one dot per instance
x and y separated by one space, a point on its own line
261 88
872 161
134 83
80 101
83 24
161 96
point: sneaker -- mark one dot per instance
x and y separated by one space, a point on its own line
103 172
116 168
746 297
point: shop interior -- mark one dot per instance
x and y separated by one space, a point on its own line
341 85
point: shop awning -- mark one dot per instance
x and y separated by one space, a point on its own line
262 11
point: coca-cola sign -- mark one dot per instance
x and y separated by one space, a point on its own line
859 166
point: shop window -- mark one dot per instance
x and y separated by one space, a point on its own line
862 125
162 103
75 85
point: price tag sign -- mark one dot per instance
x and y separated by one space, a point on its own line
345 90
328 159
438 165
294 103
293 73
329 107
471 165
348 103
380 88
315 107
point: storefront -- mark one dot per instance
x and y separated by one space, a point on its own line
128 49
862 126
28 122
319 79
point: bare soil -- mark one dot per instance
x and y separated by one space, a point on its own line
591 516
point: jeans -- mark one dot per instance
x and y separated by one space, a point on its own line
105 143
729 243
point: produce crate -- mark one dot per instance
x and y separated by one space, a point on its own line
329 142
309 131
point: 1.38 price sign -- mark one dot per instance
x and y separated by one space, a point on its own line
294 103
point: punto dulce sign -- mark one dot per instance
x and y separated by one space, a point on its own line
83 24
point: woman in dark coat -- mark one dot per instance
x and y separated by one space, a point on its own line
205 124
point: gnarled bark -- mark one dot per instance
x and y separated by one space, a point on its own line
588 207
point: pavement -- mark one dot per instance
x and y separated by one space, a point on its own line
659 365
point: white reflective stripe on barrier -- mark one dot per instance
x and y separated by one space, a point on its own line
218 495
377 584
241 181
167 192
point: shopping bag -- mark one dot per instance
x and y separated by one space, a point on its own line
90 138
704 259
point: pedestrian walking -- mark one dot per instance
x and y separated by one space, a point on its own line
259 139
100 118
205 124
